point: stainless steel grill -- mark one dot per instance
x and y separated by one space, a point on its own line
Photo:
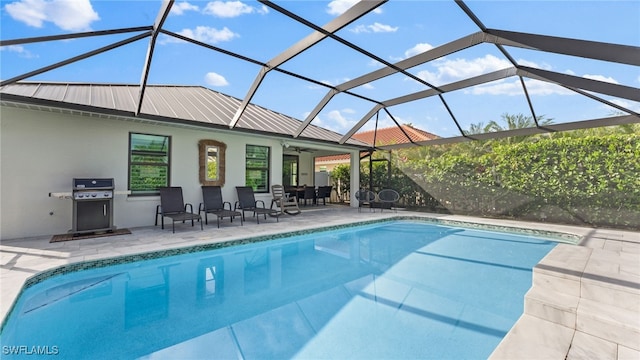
92 205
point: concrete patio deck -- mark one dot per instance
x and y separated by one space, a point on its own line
584 302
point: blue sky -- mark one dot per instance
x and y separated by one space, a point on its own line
395 31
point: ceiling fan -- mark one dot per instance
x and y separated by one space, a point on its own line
301 149
298 149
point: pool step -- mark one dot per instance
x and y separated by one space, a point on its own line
575 298
617 281
560 326
552 306
562 269
555 293
585 346
608 322
532 335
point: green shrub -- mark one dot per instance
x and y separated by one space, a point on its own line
592 180
597 178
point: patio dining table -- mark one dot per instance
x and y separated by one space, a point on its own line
299 192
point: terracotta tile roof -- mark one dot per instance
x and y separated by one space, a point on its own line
384 136
393 135
333 158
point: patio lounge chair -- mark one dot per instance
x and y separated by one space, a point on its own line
213 204
387 199
285 201
365 198
172 206
247 202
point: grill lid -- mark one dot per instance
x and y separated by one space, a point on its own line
92 183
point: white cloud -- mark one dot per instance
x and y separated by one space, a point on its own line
180 8
311 86
70 15
375 28
204 34
333 82
452 70
374 63
215 79
514 87
418 49
383 122
531 64
378 28
448 71
633 106
601 78
569 72
341 122
338 7
229 9
359 29
501 87
337 120
263 10
330 83
20 50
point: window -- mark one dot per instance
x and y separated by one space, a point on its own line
257 168
148 163
289 170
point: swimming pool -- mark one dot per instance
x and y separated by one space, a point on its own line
389 290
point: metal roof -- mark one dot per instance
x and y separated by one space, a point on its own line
189 105
198 105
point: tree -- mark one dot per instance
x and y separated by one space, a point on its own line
513 122
519 121
341 179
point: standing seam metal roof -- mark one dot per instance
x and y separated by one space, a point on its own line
194 104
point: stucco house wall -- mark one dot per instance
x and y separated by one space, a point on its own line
305 170
42 151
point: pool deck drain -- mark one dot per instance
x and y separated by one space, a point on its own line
584 303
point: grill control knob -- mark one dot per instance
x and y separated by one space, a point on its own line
94 195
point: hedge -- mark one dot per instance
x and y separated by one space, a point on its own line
596 178
593 180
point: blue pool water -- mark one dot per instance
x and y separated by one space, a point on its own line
391 290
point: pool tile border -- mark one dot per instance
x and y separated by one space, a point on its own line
100 263
92 264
